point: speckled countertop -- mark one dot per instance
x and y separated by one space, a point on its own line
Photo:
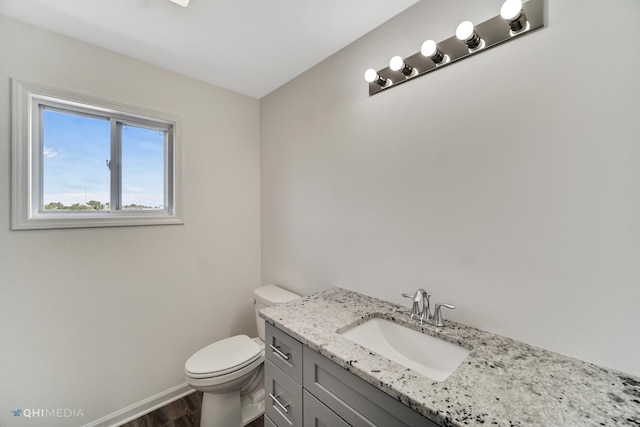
501 383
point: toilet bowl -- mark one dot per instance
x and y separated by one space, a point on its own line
229 372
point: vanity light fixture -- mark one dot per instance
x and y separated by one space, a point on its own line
516 18
467 33
512 12
398 64
372 76
431 51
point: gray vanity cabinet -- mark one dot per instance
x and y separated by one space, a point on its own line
282 378
353 399
304 388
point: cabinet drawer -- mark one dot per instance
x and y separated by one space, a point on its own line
318 415
284 351
283 397
268 422
357 402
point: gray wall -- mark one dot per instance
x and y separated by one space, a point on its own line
507 184
99 319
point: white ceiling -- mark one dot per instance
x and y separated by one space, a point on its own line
248 46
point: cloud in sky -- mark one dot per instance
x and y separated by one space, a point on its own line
49 152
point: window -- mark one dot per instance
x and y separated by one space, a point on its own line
80 162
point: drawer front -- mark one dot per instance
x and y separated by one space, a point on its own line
284 351
283 397
318 415
268 422
357 402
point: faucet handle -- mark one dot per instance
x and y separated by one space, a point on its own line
426 309
415 308
438 320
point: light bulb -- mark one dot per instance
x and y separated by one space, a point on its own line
371 75
512 12
429 48
396 63
431 51
511 9
467 33
465 30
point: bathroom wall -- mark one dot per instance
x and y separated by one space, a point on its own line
507 184
99 319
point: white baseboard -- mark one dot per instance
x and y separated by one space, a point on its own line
143 407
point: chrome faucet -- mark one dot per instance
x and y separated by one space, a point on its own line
421 308
417 298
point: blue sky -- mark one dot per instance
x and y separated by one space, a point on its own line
76 150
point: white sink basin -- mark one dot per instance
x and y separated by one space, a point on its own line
430 356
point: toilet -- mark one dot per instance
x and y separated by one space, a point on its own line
229 372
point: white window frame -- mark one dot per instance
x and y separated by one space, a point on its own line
27 158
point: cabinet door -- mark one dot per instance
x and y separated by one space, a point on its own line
318 415
284 352
283 397
357 402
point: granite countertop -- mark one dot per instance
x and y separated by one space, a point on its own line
502 382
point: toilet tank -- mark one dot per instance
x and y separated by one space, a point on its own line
267 296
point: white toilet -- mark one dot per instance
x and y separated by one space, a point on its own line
230 372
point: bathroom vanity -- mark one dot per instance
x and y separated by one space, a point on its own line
305 388
315 376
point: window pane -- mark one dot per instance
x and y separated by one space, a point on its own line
75 150
143 168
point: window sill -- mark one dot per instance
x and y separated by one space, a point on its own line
97 220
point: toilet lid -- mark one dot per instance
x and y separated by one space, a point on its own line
222 357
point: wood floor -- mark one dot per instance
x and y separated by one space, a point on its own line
181 413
